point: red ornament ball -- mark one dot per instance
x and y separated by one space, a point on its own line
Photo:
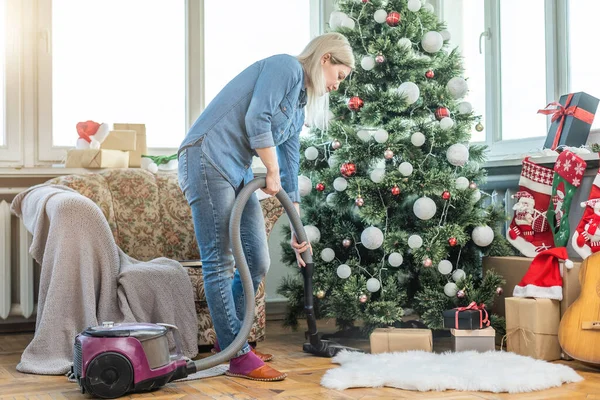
396 191
320 186
460 294
446 195
393 18
452 241
472 185
429 74
360 201
499 291
355 103
363 298
336 144
442 112
427 262
346 243
388 154
348 169
365 1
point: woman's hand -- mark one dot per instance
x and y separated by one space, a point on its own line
273 182
300 248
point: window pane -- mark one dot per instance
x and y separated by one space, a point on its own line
465 20
2 72
583 57
523 68
119 61
241 33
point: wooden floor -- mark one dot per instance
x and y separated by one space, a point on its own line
304 374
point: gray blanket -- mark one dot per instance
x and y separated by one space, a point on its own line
86 279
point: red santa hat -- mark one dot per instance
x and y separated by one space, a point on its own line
544 276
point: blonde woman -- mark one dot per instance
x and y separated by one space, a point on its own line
260 112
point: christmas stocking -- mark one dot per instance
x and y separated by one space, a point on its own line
529 230
568 173
586 238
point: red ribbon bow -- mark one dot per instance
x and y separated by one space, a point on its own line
483 314
561 112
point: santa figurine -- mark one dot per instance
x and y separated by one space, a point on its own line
558 201
524 209
591 229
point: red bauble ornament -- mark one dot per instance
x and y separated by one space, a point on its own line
396 191
365 1
363 298
472 185
427 262
446 195
320 186
429 74
360 201
393 18
355 103
452 241
336 144
348 169
499 291
346 243
442 112
460 294
380 58
388 154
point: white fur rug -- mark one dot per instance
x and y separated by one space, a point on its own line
493 371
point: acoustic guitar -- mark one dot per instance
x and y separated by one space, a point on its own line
579 330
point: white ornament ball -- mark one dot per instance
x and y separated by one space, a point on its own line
311 153
367 63
333 161
377 175
424 208
395 259
446 123
340 184
445 267
313 234
381 136
465 107
432 42
153 168
327 254
415 241
406 168
462 183
373 285
372 238
414 5
457 87
380 16
304 185
417 139
457 154
476 196
410 91
348 23
336 18
364 135
428 7
405 43
458 275
330 199
344 271
450 289
446 35
483 236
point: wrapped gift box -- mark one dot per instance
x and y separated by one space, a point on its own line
124 140
141 148
461 318
387 340
91 158
572 122
478 340
532 327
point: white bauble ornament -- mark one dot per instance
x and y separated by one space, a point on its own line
417 139
465 107
381 136
330 199
372 238
377 175
364 135
405 43
432 42
327 254
380 16
415 241
457 87
446 35
313 234
406 168
458 275
410 91
311 153
450 289
373 285
446 123
424 208
476 196
395 259
333 161
340 184
483 236
445 267
336 18
457 154
348 23
462 183
344 271
367 63
414 5
304 185
428 7
153 167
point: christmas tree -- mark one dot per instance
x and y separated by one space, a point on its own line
390 197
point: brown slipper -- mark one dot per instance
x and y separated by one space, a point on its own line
263 356
263 374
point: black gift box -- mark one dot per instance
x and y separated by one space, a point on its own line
574 132
468 319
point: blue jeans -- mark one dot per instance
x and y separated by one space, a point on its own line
211 199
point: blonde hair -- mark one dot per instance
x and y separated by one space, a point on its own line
340 51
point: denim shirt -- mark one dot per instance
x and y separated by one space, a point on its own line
261 107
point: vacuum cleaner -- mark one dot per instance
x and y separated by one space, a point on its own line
114 359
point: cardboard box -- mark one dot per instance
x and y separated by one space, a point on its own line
124 140
481 340
90 158
532 327
141 148
387 340
575 127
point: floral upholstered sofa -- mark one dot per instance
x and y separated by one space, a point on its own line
150 217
